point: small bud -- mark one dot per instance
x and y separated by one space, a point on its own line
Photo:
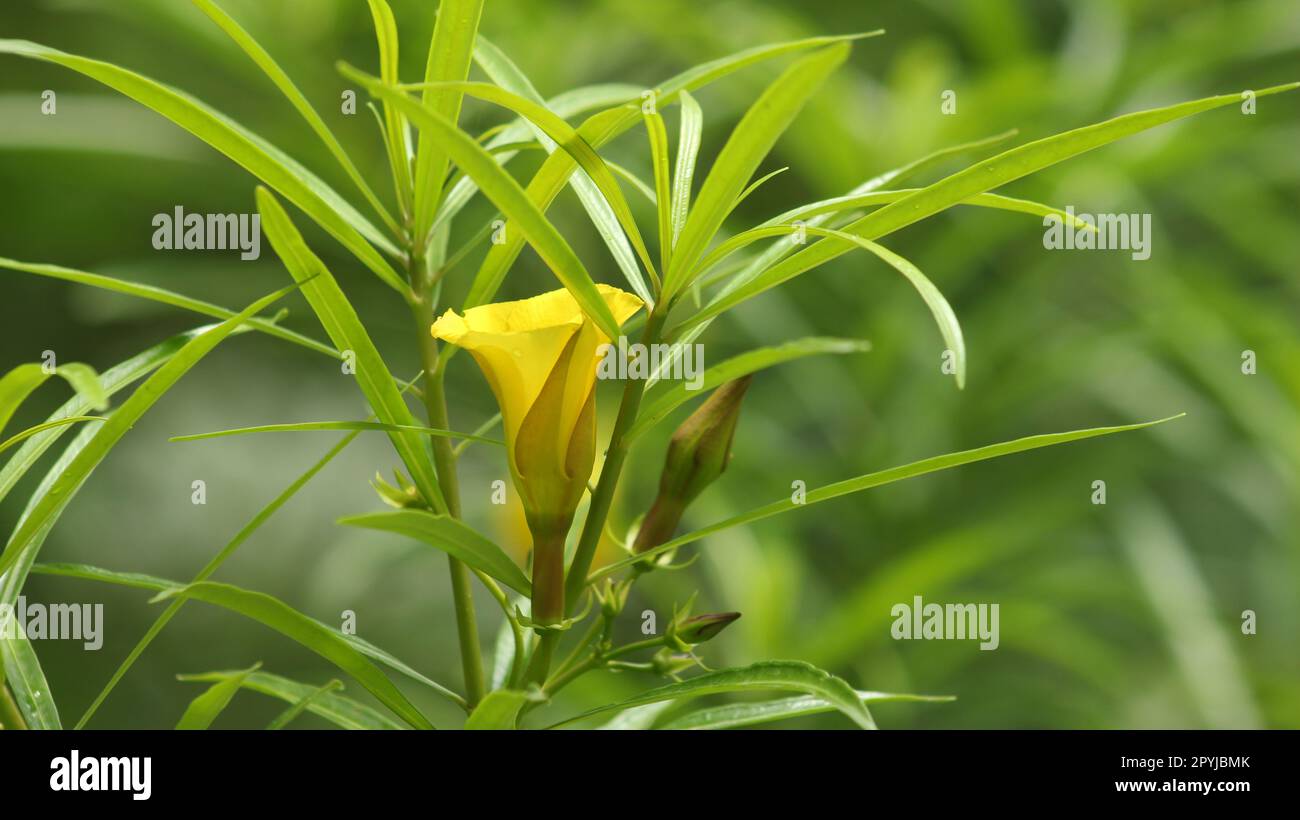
404 496
612 598
701 628
667 662
697 455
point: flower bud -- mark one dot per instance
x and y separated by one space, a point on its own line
697 454
700 628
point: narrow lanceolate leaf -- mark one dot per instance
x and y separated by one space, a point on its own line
22 381
322 640
688 148
877 479
26 680
554 132
166 297
52 503
603 127
780 250
500 709
337 709
983 176
736 715
260 158
299 101
450 51
668 398
768 676
19 438
316 426
395 136
289 715
345 330
204 709
569 104
658 135
942 312
749 143
508 76
852 202
506 194
451 536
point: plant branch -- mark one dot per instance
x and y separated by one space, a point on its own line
435 404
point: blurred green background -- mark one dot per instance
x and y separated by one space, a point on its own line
1123 615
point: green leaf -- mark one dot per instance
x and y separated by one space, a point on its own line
86 572
315 426
553 132
22 381
506 194
852 202
204 709
568 104
766 676
450 51
299 101
750 141
983 176
736 715
451 536
55 500
312 634
603 127
345 330
658 134
16 386
780 250
18 438
166 297
942 312
341 711
602 199
688 148
500 709
27 681
289 715
669 398
877 479
395 131
258 157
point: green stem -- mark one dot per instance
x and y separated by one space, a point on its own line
603 497
10 716
435 404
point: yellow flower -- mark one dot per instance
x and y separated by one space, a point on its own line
539 356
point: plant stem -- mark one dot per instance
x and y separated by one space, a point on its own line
603 497
435 405
10 717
